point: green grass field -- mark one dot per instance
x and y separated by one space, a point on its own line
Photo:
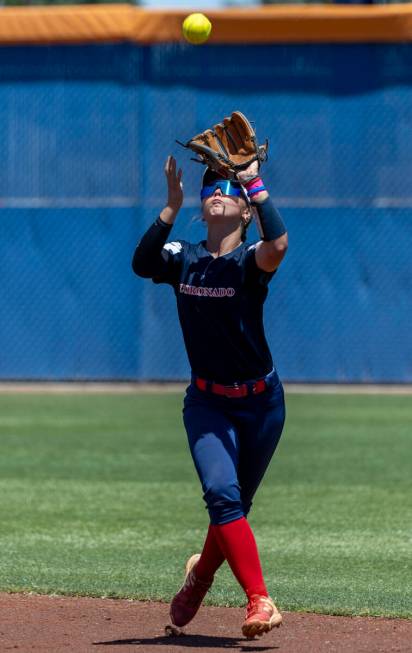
99 497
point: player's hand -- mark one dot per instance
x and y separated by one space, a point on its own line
174 184
249 173
252 172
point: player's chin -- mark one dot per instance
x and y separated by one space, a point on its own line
216 210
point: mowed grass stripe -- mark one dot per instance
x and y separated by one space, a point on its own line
100 497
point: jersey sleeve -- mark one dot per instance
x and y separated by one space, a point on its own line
156 259
254 276
170 264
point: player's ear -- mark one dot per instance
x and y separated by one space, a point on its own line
246 215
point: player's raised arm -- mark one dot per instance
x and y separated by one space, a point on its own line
272 248
232 150
150 259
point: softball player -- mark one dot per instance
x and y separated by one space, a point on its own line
234 406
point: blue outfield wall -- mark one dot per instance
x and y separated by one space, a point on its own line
84 132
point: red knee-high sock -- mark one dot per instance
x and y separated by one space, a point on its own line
211 558
238 545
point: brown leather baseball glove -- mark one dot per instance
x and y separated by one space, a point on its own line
229 146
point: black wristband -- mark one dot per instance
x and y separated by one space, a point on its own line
270 224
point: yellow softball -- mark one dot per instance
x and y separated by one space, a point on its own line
196 28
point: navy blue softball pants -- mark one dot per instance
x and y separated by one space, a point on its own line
232 441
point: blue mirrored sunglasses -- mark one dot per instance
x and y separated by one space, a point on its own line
227 188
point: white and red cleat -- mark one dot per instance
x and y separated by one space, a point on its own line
187 601
261 616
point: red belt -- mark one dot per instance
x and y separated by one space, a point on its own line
232 391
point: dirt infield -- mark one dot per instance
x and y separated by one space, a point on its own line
57 624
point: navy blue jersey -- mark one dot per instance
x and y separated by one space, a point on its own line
220 305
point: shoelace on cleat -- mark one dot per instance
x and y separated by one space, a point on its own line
261 604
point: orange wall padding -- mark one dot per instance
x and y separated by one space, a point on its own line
267 24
